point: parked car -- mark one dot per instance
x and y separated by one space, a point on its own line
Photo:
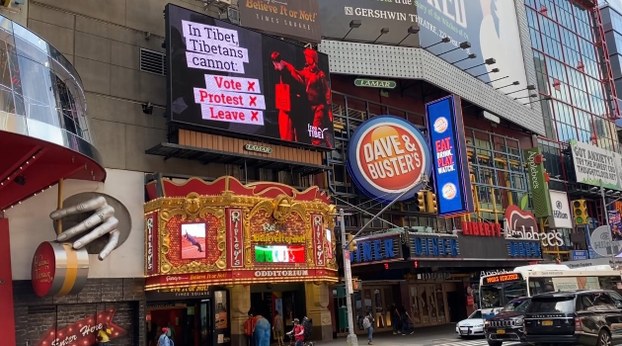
507 325
592 317
474 324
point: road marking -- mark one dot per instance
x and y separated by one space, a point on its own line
460 342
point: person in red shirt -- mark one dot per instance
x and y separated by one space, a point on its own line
298 332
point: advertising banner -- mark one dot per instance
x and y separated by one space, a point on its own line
486 25
293 18
596 166
561 210
615 222
538 183
453 188
388 158
226 78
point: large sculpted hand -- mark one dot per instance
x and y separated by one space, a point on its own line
100 223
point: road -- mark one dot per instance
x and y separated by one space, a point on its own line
433 336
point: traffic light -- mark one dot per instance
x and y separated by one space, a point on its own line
351 242
430 200
421 201
579 211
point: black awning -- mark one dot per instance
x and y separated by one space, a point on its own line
172 150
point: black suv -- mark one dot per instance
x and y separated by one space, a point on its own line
508 324
591 317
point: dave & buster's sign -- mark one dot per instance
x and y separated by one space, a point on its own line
227 78
453 188
388 158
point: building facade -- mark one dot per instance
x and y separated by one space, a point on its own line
220 126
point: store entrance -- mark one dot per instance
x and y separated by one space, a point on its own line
192 322
189 322
289 300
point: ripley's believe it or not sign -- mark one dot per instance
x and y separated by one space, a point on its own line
388 158
224 232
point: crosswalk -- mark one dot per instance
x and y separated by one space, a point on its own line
460 342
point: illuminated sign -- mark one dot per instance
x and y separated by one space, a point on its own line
151 228
373 250
279 254
84 331
507 277
292 18
453 188
481 229
257 148
283 94
375 83
524 249
388 158
434 246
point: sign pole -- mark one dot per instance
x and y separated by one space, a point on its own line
351 339
606 214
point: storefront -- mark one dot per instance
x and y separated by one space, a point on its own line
217 250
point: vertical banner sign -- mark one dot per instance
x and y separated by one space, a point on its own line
538 183
236 245
318 239
453 188
293 18
615 222
152 246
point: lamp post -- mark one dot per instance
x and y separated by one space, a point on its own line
351 339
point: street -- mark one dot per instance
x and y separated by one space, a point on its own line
432 336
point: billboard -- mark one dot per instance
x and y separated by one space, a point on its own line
451 173
596 166
225 78
487 25
388 158
293 18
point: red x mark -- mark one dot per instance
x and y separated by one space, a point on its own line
253 101
254 115
251 86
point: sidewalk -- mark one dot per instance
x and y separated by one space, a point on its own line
422 336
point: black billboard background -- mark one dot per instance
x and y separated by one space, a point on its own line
292 18
183 110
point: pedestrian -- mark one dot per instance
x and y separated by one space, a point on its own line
396 319
368 324
277 328
164 339
407 326
262 331
298 332
103 335
249 329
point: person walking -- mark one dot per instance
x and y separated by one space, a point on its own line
368 325
277 328
262 331
396 319
164 339
298 332
249 329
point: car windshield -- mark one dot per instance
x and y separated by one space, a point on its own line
517 305
552 304
476 314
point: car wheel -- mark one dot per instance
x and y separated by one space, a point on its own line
494 343
604 338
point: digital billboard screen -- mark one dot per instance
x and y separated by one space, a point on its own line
226 78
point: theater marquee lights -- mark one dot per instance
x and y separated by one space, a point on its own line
222 232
